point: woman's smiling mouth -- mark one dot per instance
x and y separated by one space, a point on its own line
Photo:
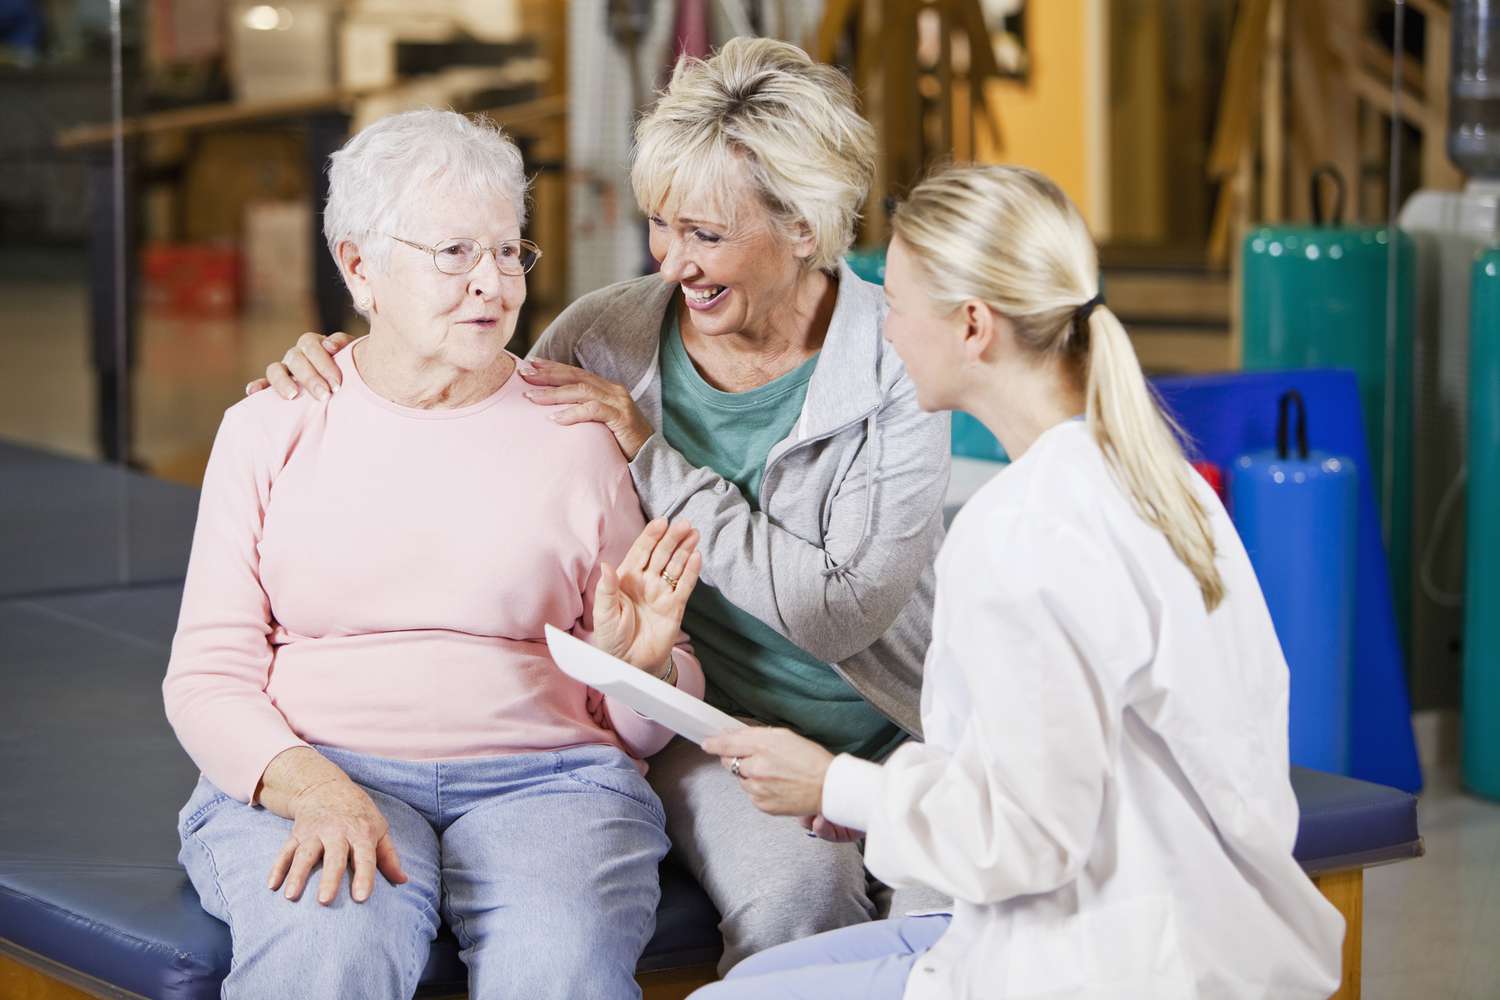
706 297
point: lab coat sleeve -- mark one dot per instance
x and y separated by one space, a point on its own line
1035 631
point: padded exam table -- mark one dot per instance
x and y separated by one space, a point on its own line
91 896
67 525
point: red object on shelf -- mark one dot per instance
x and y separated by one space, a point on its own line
1214 476
191 279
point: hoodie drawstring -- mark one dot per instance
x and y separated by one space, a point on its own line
872 463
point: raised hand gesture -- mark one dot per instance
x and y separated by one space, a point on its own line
638 605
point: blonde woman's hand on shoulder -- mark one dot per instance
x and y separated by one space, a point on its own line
583 397
308 364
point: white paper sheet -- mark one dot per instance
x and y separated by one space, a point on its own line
656 700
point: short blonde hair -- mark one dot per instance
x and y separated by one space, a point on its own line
1010 238
762 109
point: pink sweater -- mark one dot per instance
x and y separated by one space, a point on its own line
374 577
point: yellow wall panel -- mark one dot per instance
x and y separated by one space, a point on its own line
1052 121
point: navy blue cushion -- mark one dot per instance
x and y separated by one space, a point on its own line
1348 823
69 524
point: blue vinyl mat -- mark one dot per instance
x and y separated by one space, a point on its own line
83 525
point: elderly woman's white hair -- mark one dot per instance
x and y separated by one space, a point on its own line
766 108
380 182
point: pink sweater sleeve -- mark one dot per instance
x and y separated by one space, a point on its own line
621 523
215 688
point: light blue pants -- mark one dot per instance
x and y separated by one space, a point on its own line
544 864
867 962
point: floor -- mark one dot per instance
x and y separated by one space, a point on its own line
1432 926
189 369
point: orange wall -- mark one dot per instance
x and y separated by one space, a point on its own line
1049 121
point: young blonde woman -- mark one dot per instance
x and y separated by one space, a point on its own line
1104 785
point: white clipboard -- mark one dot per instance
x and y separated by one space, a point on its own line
656 700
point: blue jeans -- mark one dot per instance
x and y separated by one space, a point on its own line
544 864
865 962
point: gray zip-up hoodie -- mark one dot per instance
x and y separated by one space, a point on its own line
839 559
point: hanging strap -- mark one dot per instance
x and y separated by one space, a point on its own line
1315 195
1284 405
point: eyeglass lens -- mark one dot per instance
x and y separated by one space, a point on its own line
462 255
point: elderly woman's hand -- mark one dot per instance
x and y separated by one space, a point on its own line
335 821
307 365
582 397
781 771
638 606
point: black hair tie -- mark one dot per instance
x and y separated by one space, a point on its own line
1084 311
1081 319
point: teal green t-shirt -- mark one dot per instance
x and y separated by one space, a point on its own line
751 669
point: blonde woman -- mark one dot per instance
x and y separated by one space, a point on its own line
749 389
1104 786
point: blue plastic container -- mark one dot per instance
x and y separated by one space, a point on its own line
1296 512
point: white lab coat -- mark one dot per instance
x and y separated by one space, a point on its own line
1104 788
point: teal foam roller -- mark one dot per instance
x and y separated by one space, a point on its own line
1481 692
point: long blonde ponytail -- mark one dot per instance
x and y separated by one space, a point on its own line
1009 237
1142 443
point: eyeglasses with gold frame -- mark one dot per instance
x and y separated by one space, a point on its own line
461 254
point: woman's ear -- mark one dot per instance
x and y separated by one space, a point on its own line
803 244
980 329
356 271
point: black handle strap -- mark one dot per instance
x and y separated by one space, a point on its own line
1284 405
1315 194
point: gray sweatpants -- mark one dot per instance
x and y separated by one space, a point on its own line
771 882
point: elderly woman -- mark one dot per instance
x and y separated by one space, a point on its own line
359 669
749 388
